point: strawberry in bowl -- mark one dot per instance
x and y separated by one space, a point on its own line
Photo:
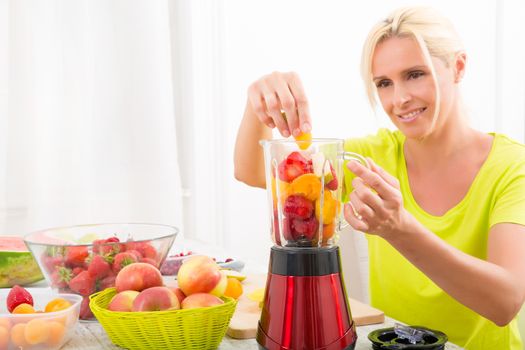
86 259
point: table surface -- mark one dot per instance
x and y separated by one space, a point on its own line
91 335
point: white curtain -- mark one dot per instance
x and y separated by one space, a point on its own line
87 114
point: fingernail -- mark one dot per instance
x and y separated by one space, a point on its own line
306 127
296 132
286 133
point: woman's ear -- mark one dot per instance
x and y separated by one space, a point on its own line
460 62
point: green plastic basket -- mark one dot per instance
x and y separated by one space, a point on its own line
199 329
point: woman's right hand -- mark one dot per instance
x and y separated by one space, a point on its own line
279 92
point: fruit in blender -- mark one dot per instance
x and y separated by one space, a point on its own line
307 185
293 166
305 228
298 206
329 209
156 299
123 301
138 276
304 140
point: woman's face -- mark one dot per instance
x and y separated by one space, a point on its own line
406 88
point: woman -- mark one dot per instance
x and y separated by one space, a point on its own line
443 205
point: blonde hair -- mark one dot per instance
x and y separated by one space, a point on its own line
434 34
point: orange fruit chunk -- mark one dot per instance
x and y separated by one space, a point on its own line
304 140
4 337
308 185
18 337
56 333
57 304
23 309
329 210
4 322
233 288
36 331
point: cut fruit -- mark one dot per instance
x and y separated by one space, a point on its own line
257 295
17 265
304 140
234 274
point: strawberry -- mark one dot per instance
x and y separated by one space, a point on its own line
297 206
134 252
144 248
76 256
85 311
51 262
305 228
294 166
333 184
149 261
99 267
18 295
106 282
83 283
61 277
108 246
123 259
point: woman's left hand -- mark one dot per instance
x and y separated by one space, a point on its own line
380 212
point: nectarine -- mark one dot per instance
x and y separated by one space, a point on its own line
200 300
123 301
138 276
200 274
156 299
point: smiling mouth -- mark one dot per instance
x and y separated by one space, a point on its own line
412 115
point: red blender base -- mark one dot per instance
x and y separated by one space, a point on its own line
305 304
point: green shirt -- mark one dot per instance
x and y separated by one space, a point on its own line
402 291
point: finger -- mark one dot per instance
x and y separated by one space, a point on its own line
352 220
287 103
301 102
365 195
390 179
273 108
258 105
372 179
361 210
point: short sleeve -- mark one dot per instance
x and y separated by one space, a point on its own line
509 205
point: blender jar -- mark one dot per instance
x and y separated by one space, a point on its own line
304 186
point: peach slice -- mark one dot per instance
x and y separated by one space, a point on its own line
304 140
308 185
330 208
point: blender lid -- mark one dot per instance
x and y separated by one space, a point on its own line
391 338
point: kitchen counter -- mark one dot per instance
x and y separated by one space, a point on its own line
91 336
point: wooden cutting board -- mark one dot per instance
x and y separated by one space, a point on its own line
243 324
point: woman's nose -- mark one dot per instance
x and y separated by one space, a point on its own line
401 95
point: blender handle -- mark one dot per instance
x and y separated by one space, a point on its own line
356 157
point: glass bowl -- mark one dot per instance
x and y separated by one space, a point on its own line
38 331
85 259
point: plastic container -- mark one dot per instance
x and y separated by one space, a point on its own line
38 331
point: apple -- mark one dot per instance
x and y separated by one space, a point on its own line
200 274
123 301
138 276
200 300
156 299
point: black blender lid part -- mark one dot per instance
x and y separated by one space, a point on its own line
388 338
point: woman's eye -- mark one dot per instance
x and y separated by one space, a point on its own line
415 74
382 84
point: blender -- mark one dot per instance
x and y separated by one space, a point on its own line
305 304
